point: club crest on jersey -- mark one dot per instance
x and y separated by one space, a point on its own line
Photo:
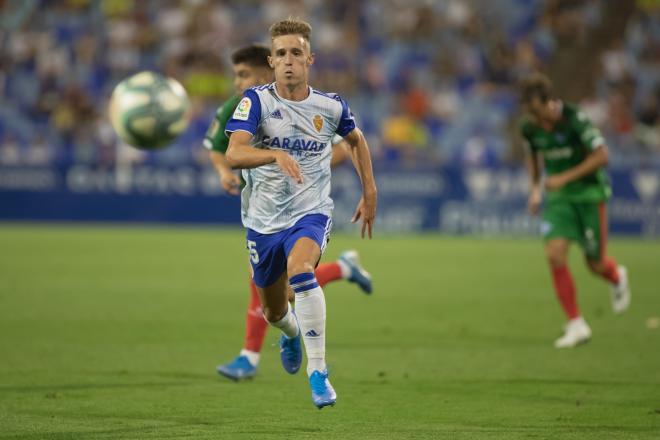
243 109
318 122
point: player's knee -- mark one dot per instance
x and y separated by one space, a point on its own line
298 267
273 315
555 258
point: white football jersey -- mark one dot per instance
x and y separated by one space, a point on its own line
272 201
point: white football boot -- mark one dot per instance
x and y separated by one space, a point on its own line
576 332
621 292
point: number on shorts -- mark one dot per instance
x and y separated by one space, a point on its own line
252 247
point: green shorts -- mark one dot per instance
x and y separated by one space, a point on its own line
582 222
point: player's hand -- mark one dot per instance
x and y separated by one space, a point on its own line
289 165
366 210
231 183
534 202
553 183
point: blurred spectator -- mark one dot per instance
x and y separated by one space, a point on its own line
10 153
428 80
404 137
648 129
617 63
478 152
40 152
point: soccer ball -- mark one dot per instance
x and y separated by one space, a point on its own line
148 110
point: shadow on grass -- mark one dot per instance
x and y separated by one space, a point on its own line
59 435
547 381
123 381
86 386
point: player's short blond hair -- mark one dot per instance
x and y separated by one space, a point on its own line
291 26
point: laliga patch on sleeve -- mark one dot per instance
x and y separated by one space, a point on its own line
243 109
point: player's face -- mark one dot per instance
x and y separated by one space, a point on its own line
246 76
543 112
290 59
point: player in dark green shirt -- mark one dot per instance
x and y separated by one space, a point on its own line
217 142
562 140
251 69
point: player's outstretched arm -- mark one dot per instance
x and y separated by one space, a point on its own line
366 209
241 154
597 158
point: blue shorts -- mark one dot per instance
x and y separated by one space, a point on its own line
269 252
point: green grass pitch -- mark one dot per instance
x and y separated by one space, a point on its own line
115 332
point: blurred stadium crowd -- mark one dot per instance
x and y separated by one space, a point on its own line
430 81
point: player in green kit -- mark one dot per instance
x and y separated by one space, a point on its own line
251 68
573 154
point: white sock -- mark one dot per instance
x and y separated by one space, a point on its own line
345 269
252 356
578 320
288 324
310 309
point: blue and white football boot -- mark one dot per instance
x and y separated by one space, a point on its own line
322 392
238 369
358 275
291 353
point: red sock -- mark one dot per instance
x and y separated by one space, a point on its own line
610 273
327 272
565 289
255 323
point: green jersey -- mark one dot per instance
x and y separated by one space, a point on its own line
568 143
215 138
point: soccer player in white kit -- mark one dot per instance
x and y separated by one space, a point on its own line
280 136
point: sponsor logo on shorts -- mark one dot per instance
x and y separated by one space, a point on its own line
591 244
